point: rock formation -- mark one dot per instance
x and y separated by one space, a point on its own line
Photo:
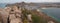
4 15
15 15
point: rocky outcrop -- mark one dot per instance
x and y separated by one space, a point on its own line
4 15
15 15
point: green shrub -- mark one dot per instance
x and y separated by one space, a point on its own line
35 19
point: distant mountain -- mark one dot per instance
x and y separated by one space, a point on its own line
35 5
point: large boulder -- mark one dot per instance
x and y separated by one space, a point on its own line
4 15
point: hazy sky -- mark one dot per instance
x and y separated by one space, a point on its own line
14 1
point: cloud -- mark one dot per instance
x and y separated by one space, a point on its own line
9 1
13 1
42 0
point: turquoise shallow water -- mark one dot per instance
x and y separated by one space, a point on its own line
53 12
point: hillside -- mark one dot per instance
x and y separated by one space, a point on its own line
40 17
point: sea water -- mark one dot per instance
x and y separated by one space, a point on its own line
2 5
53 12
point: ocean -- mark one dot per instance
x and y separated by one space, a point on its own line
53 12
2 5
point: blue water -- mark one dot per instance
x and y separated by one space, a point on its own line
53 12
2 5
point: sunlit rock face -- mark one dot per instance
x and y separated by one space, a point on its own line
51 22
38 10
14 14
16 20
7 9
4 15
43 8
29 17
16 9
11 16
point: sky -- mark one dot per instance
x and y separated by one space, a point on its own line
14 1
